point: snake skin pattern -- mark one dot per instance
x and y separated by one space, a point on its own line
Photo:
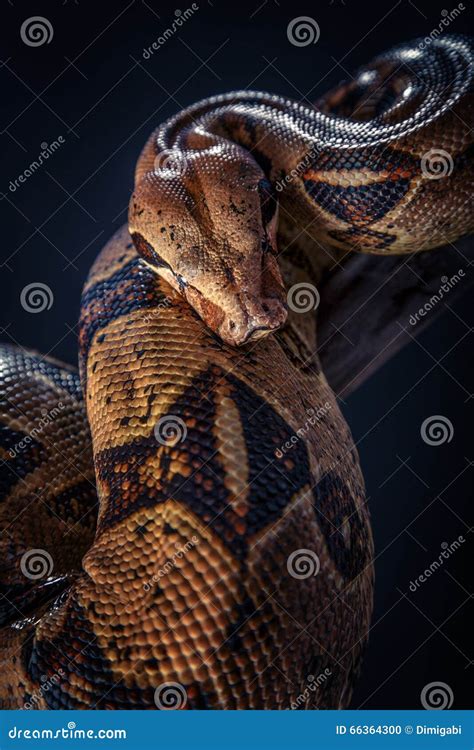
354 173
216 551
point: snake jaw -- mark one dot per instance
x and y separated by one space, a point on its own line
270 318
241 319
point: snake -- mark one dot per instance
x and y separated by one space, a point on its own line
184 523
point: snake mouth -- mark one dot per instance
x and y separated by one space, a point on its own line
245 320
260 322
259 332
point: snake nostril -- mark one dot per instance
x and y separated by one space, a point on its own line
231 325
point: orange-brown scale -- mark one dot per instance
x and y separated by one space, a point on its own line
229 628
187 579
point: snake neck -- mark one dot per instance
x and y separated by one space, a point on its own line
299 255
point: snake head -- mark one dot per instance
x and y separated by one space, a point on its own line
205 220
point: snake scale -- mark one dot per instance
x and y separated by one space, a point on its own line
196 507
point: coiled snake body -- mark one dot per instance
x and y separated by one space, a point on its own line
230 564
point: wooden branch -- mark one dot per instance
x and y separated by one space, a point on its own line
371 306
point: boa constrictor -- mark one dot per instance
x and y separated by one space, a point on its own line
230 562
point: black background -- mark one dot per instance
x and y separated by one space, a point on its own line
92 86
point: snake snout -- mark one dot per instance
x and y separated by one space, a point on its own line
255 320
